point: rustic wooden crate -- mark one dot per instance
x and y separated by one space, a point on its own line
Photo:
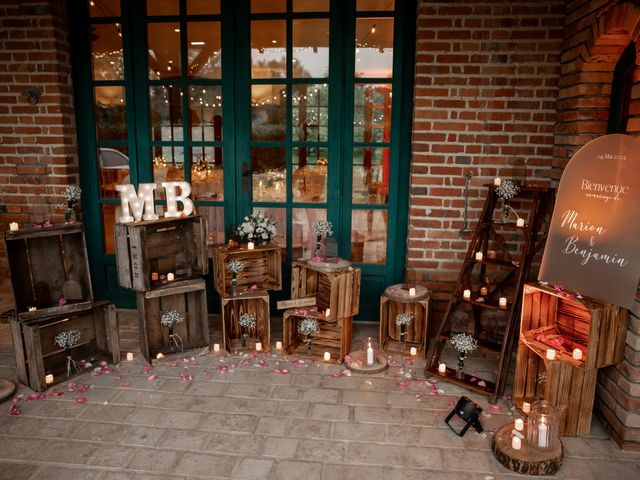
189 298
46 264
338 291
416 333
569 388
598 329
263 268
334 336
36 354
255 303
168 245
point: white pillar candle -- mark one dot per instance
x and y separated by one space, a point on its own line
216 347
278 345
497 181
543 435
551 354
412 292
478 256
369 355
258 347
48 379
251 246
520 222
502 302
526 407
516 443
170 277
442 368
160 356
519 424
327 312
327 356
129 356
413 351
577 354
13 226
466 294
32 309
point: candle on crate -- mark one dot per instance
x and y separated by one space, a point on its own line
154 276
543 435
497 181
502 302
412 292
577 354
170 277
327 312
442 368
216 347
526 407
519 424
278 345
520 222
32 309
491 254
551 354
13 226
48 379
251 246
478 256
466 294
327 356
369 356
413 351
258 347
516 443
483 291
129 356
160 356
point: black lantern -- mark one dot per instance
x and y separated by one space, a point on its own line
468 411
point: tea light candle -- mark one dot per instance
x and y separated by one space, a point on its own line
278 345
160 356
327 356
516 443
491 254
170 277
502 302
216 347
520 222
32 309
543 435
369 356
13 226
413 351
251 246
526 407
129 356
551 354
442 368
497 181
483 291
519 424
466 294
327 312
258 347
577 354
412 292
154 276
48 379
478 256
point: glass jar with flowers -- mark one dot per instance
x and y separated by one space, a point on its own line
322 229
169 319
402 321
235 267
308 327
464 344
72 194
247 324
506 191
67 340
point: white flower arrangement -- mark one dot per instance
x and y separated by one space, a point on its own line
404 319
507 190
67 339
247 321
464 343
322 228
235 266
257 228
73 194
170 318
309 326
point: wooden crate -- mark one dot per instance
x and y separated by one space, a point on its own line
334 336
569 388
338 291
189 298
416 333
263 268
36 354
45 265
598 329
255 303
168 245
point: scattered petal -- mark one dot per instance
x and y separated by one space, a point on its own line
14 410
151 378
127 384
80 400
482 383
281 371
495 408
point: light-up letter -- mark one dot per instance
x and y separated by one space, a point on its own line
140 205
173 199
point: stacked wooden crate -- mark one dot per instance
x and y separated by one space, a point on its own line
262 271
161 261
563 321
49 272
337 295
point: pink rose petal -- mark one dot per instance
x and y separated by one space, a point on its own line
151 378
495 408
336 375
80 400
146 369
14 410
482 383
127 384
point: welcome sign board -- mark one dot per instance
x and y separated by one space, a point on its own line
593 245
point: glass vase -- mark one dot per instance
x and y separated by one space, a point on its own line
460 366
69 215
244 340
543 426
309 345
318 252
402 341
234 283
506 212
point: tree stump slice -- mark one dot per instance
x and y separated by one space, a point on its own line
7 389
528 460
358 363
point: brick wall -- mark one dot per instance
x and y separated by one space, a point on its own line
37 142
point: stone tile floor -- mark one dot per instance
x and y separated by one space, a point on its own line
247 422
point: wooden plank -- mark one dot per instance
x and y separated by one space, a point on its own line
19 352
34 357
113 335
296 303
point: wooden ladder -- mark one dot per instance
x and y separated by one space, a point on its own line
510 271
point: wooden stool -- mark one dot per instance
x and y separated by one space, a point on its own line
396 300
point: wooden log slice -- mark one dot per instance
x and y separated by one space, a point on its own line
358 363
7 389
528 460
329 264
400 293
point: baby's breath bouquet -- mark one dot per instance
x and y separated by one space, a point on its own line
67 340
506 191
308 327
257 228
72 194
322 229
464 344
235 267
402 321
169 319
247 323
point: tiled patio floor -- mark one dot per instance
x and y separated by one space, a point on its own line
248 422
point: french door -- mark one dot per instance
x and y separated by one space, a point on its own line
298 108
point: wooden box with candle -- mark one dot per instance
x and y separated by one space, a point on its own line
256 305
38 356
191 333
261 269
149 253
49 270
334 335
338 291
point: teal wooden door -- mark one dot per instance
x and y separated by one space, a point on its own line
299 109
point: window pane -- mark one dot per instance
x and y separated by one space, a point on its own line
203 7
269 174
215 224
310 5
311 48
106 52
109 215
166 113
303 240
113 168
374 47
104 8
369 236
204 49
268 49
110 109
309 182
370 175
168 166
268 6
372 113
207 177
310 112
268 108
205 113
163 7
280 217
374 5
164 50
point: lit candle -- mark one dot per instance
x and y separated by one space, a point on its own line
258 347
491 254
170 277
478 256
519 424
516 443
327 312
278 345
577 354
466 294
413 351
497 181
129 356
551 354
48 379
520 222
251 246
216 347
412 292
32 309
160 356
502 302
369 355
526 407
13 226
483 291
327 356
442 368
543 435
154 276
